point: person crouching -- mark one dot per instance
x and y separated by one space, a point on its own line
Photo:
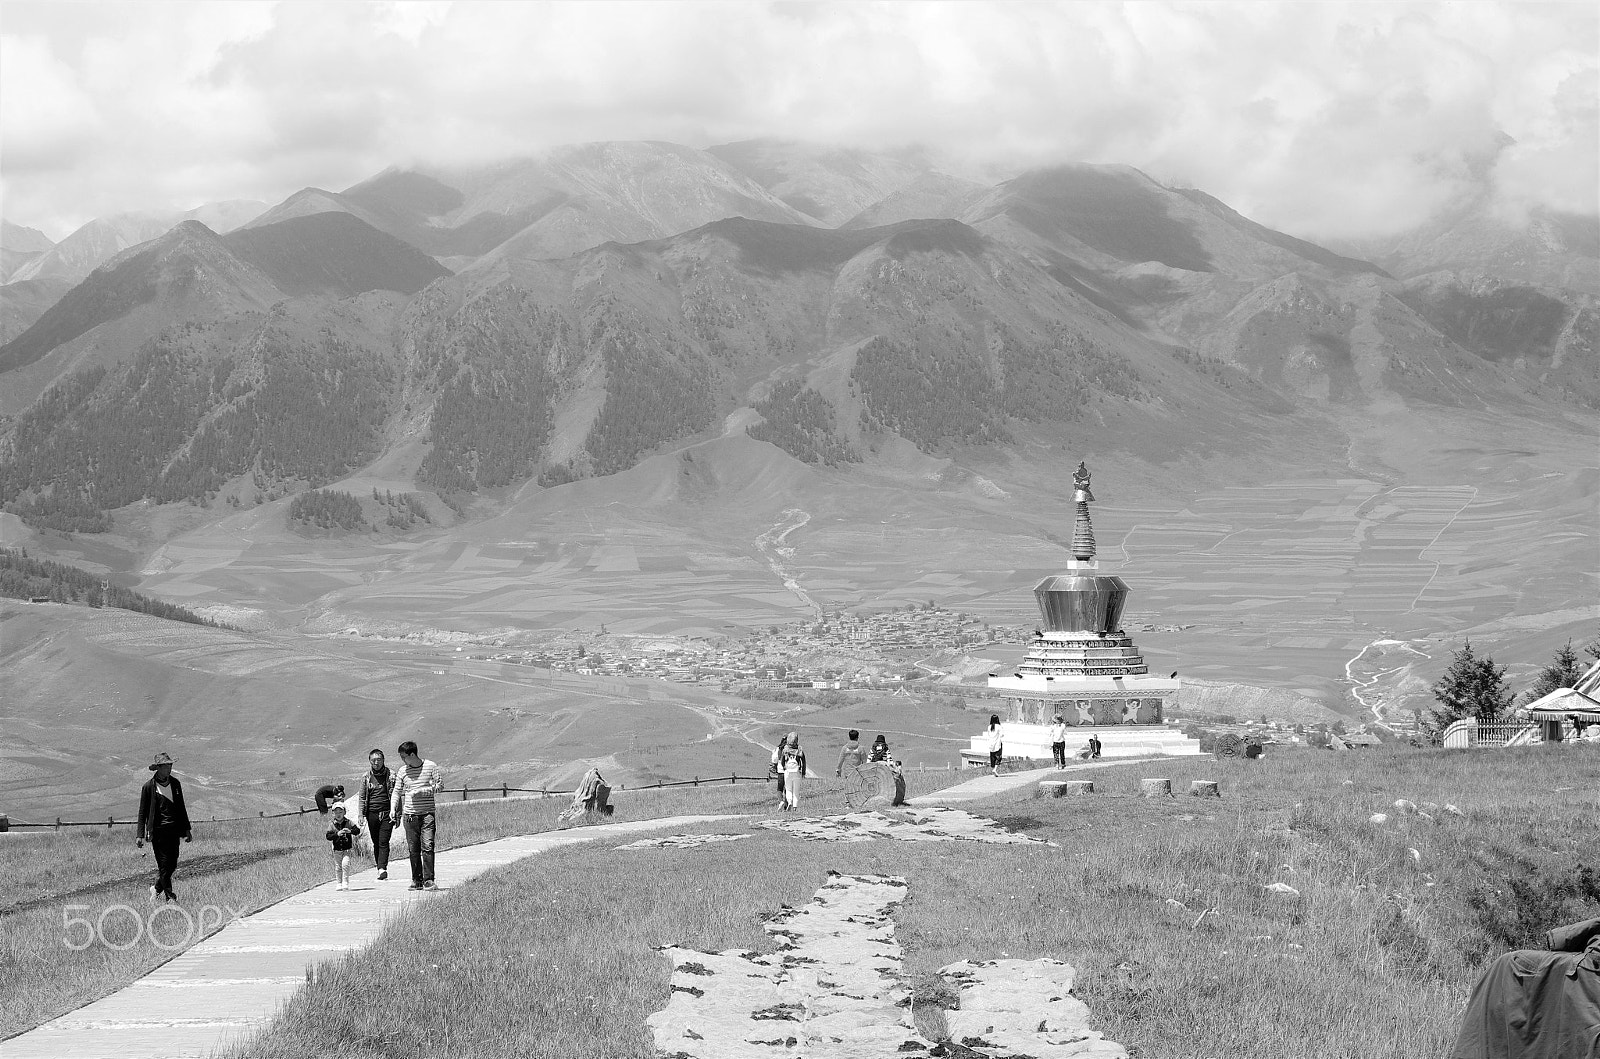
342 833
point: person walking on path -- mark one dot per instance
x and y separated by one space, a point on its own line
792 764
412 804
851 755
327 794
996 744
376 787
1058 742
164 820
342 834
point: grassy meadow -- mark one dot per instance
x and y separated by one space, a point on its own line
243 866
1162 905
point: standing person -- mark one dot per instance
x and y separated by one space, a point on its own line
775 770
1094 745
792 763
376 788
996 744
851 755
342 834
1058 742
412 803
164 820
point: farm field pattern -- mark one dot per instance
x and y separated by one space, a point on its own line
1280 584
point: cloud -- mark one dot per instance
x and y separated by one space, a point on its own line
1326 120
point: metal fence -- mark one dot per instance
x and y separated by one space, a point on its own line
445 796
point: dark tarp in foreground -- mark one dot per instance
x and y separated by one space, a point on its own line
1532 1004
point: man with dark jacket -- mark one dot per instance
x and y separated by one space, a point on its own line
328 792
376 788
164 820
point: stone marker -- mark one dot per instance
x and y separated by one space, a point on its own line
1205 789
891 785
1062 788
1155 788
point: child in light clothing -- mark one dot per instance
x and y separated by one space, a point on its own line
342 833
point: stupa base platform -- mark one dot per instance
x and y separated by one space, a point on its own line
1032 742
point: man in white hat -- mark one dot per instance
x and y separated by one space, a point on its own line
164 821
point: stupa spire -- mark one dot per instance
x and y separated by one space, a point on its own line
1082 528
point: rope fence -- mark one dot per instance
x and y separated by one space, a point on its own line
503 790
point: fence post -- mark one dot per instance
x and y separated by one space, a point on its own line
542 792
463 794
733 778
504 791
110 822
697 781
58 823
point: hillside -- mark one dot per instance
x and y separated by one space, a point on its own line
255 720
101 239
333 253
18 246
185 272
829 185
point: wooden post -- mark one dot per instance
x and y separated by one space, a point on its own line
1205 789
58 823
463 794
1155 788
110 821
505 792
733 778
697 781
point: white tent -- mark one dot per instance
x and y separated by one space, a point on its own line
1578 703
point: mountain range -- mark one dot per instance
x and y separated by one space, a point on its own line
564 316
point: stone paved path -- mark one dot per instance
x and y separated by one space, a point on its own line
233 981
987 786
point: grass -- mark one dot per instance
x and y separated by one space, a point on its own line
244 866
1160 904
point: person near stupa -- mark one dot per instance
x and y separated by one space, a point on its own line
164 820
996 743
1058 742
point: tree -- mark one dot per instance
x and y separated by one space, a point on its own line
1470 687
1562 672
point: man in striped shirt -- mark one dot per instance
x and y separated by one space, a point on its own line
412 804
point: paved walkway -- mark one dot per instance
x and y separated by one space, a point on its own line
234 981
987 786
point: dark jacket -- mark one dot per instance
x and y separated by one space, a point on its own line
343 836
328 792
375 796
148 807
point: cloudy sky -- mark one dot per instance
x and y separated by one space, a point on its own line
1327 120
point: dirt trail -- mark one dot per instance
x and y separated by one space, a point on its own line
778 555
